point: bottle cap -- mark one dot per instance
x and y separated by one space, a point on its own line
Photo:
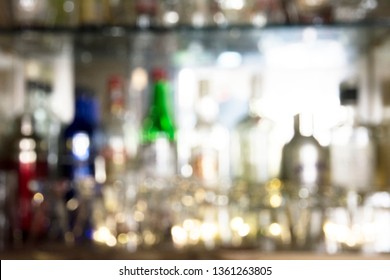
115 81
348 94
159 74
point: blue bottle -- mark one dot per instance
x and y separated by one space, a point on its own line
80 145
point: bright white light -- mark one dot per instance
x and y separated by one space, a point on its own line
309 34
28 5
171 17
68 6
229 59
139 79
80 146
233 4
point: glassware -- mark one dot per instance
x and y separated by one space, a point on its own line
94 12
64 13
210 141
146 13
80 143
305 172
158 136
122 12
353 10
6 19
157 165
32 13
256 158
353 164
310 11
169 13
117 158
198 13
352 148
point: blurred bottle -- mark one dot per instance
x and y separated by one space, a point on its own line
80 143
357 10
34 13
256 147
158 151
6 20
305 172
146 13
309 12
34 157
264 12
353 166
122 12
169 13
64 13
233 12
198 13
352 147
94 12
80 138
382 136
209 153
120 133
256 155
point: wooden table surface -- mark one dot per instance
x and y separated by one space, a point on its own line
94 252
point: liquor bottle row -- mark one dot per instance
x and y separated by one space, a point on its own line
195 13
106 178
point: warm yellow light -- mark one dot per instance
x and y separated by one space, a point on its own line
149 238
275 200
38 198
72 204
138 216
123 238
179 235
275 229
244 230
236 223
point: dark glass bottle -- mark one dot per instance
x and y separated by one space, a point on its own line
80 145
33 157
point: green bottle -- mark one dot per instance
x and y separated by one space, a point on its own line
158 137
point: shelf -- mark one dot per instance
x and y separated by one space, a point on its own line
154 43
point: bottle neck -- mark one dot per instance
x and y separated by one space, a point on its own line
350 114
116 102
303 125
160 104
35 99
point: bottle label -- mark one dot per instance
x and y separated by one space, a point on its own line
159 158
352 166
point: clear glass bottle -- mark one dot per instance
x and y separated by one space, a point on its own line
32 13
209 151
310 12
305 173
94 12
197 13
353 166
256 149
120 132
352 148
146 13
256 158
169 13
